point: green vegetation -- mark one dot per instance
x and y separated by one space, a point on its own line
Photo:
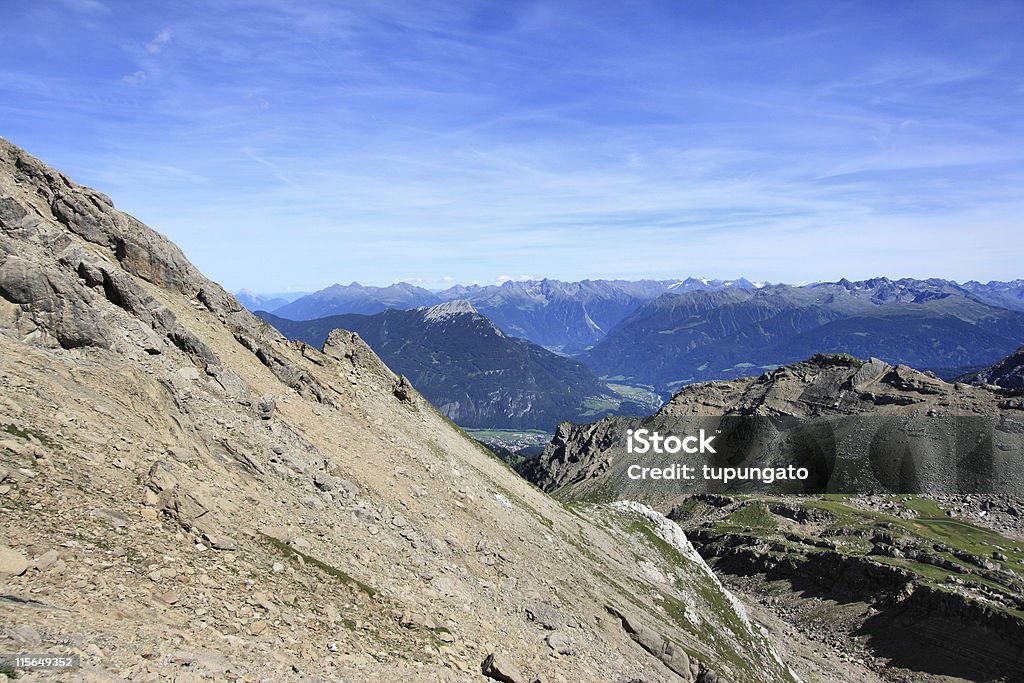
597 405
338 574
930 536
932 525
642 394
29 433
711 594
837 359
755 515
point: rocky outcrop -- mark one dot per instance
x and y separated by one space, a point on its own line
901 602
1006 374
854 425
673 657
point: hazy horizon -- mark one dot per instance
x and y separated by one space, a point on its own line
501 281
285 146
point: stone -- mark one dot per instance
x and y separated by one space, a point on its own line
12 562
265 407
257 627
170 597
178 453
403 389
673 657
114 518
161 478
299 543
25 636
46 560
560 643
181 506
545 615
216 538
324 481
499 668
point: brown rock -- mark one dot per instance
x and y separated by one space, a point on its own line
12 562
498 667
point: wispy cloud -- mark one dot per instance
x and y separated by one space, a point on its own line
159 41
134 78
363 142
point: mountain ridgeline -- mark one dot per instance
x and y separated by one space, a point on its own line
663 334
698 336
473 372
566 317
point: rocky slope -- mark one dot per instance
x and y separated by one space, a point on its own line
875 580
473 372
188 495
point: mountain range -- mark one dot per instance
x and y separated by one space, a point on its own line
663 334
566 317
266 302
681 338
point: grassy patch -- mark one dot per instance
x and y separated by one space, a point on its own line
597 405
754 514
338 574
28 433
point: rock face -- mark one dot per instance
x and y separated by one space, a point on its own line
1006 374
588 461
877 551
204 499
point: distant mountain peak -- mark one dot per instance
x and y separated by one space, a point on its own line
448 310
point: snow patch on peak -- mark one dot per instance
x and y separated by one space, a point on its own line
448 309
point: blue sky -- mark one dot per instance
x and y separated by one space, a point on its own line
287 148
